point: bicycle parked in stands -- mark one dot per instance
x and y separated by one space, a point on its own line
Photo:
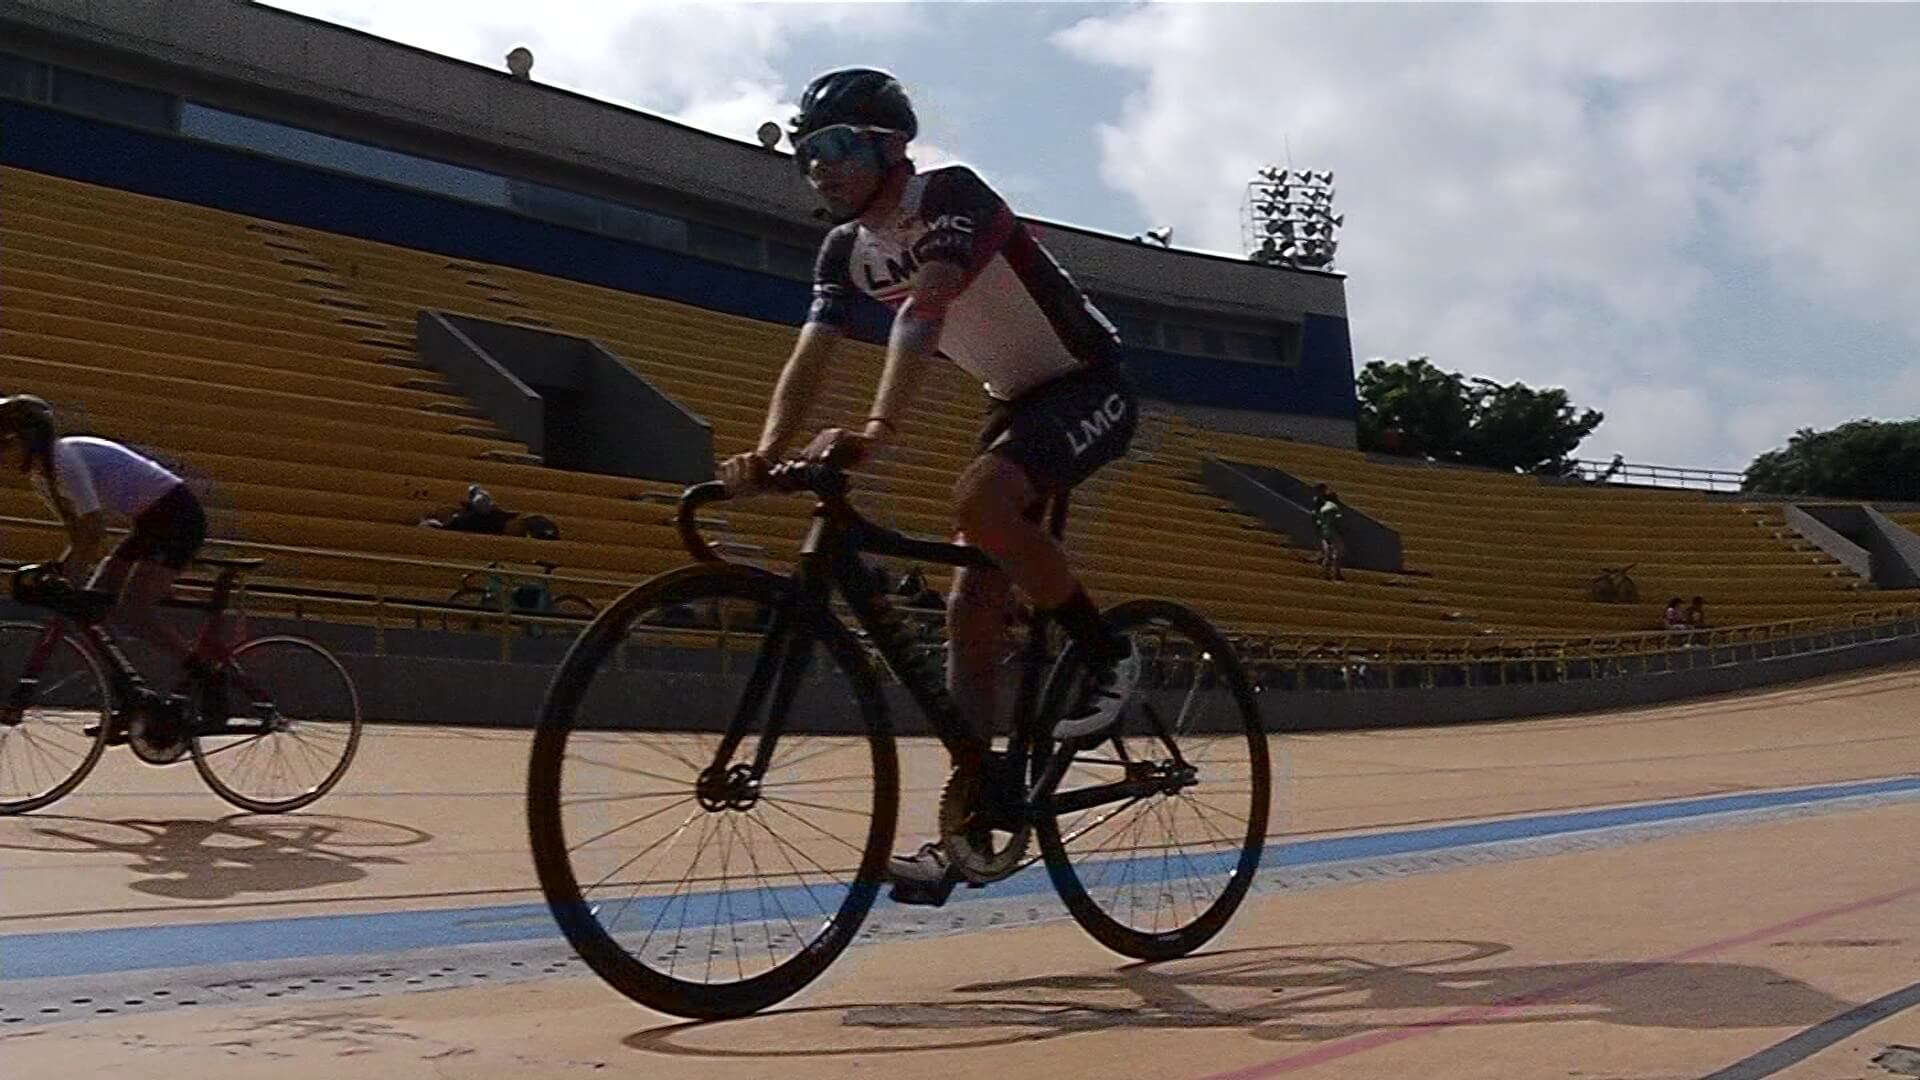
282 703
711 807
494 589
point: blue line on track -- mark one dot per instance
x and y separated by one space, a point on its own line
91 952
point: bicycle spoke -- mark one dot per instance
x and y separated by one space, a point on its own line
770 904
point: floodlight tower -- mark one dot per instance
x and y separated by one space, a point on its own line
1288 220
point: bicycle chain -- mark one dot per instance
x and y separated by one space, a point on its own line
969 844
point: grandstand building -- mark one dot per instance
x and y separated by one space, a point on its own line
264 246
672 211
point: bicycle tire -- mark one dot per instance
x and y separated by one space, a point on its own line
94 750
573 604
1073 892
202 755
595 945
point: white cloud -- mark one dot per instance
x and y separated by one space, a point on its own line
711 65
1528 186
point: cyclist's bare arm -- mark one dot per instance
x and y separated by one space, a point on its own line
799 385
915 336
86 533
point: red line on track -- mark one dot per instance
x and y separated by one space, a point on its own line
1360 1044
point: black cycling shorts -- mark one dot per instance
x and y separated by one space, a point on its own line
169 532
1061 432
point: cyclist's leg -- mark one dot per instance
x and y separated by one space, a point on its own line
1049 442
976 623
143 568
146 584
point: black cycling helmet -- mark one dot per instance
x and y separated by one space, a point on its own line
862 97
29 419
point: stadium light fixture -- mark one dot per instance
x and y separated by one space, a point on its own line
1288 218
520 63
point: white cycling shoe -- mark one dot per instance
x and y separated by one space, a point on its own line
1106 695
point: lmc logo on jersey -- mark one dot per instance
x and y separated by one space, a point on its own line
1093 427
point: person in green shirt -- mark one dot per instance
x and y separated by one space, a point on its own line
1327 510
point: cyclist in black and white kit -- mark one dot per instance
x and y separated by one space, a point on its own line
968 284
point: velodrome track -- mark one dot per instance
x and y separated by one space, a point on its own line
1723 889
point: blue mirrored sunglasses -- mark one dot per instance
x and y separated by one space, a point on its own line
834 144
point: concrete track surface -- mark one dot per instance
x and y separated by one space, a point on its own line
1723 889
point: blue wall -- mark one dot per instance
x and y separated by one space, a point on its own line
170 167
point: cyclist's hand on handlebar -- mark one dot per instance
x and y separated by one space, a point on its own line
841 447
745 473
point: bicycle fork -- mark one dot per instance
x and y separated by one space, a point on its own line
785 655
27 685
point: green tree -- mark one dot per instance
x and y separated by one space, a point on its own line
1418 410
1862 459
1413 408
1518 427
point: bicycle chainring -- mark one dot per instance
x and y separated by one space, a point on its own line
157 740
969 840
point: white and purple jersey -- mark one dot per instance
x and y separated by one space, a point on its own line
1019 321
97 474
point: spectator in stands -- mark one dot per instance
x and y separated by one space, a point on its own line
476 514
1676 617
1613 469
1697 613
1327 511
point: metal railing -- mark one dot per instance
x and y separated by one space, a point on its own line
1280 661
1363 662
1670 476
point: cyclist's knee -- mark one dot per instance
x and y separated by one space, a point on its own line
989 500
979 586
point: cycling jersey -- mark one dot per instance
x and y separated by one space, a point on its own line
1020 320
96 473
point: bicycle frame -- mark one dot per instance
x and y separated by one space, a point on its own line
126 684
830 558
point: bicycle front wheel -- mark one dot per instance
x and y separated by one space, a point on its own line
1157 831
279 726
690 881
51 688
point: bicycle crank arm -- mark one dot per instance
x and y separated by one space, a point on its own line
1086 798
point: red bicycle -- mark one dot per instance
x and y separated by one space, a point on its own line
278 707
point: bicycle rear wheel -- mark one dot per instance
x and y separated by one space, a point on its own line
280 729
1155 874
50 690
689 890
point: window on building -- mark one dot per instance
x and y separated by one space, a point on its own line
22 78
726 245
112 100
645 226
331 152
1135 330
790 260
552 204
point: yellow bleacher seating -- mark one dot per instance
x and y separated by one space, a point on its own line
276 363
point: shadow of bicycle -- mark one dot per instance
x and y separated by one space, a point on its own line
239 855
1286 994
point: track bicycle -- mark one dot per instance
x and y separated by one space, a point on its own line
669 758
495 589
278 704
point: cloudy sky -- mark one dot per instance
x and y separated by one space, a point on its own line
1701 219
